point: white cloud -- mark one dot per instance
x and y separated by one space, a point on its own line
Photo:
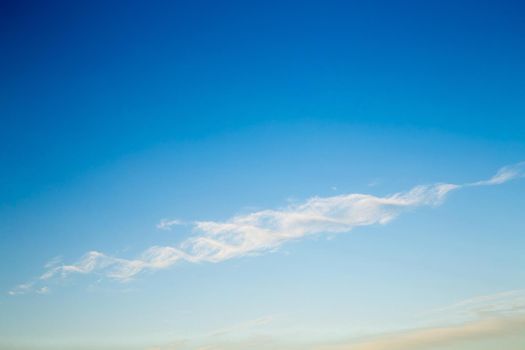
22 289
43 290
166 224
266 230
503 175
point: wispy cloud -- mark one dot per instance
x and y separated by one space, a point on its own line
22 289
439 336
266 230
167 224
472 320
505 319
499 304
503 175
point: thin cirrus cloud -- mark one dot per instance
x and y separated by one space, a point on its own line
167 224
264 230
474 321
475 332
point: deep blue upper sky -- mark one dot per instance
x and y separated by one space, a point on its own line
87 82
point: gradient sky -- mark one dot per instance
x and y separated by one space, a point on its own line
223 175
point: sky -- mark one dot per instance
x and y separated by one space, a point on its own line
224 175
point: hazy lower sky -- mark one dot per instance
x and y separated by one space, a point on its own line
267 175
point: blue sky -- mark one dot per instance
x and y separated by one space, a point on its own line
269 175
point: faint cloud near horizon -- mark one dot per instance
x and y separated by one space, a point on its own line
503 322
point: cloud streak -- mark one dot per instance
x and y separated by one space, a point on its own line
265 230
167 224
475 321
503 175
441 336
